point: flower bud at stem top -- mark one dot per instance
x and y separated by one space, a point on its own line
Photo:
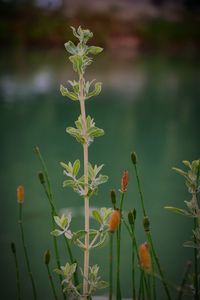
124 181
134 158
146 224
36 149
132 216
113 197
20 194
114 221
41 177
13 248
47 257
145 257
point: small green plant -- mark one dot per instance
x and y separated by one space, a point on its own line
192 181
86 184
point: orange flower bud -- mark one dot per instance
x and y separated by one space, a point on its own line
145 257
114 221
20 194
124 182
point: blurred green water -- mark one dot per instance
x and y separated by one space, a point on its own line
149 104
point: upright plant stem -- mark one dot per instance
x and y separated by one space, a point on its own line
180 294
86 198
133 262
26 253
118 292
51 282
49 194
111 267
13 248
196 297
150 237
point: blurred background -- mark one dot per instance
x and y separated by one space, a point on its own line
149 103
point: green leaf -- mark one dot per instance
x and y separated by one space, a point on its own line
76 167
95 132
77 62
102 241
96 215
68 182
70 47
65 92
78 235
181 172
56 232
76 133
178 210
94 50
65 166
96 91
187 163
102 284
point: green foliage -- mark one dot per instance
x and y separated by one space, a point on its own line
94 280
79 133
63 223
78 184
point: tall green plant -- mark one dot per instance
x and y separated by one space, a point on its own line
86 184
192 181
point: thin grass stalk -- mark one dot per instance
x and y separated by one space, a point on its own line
133 261
184 280
111 267
118 285
13 249
195 225
51 282
49 194
159 267
196 283
153 266
141 286
86 198
26 253
150 237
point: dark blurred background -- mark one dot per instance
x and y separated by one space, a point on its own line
149 103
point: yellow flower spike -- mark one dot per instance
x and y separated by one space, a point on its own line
114 221
145 257
20 194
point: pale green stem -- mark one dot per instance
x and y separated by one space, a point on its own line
26 252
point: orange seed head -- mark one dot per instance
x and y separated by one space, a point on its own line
124 181
145 257
114 221
20 194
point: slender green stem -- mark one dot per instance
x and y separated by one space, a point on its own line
150 238
49 194
111 267
118 292
196 283
141 286
159 267
26 252
187 270
13 248
153 265
133 261
51 282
